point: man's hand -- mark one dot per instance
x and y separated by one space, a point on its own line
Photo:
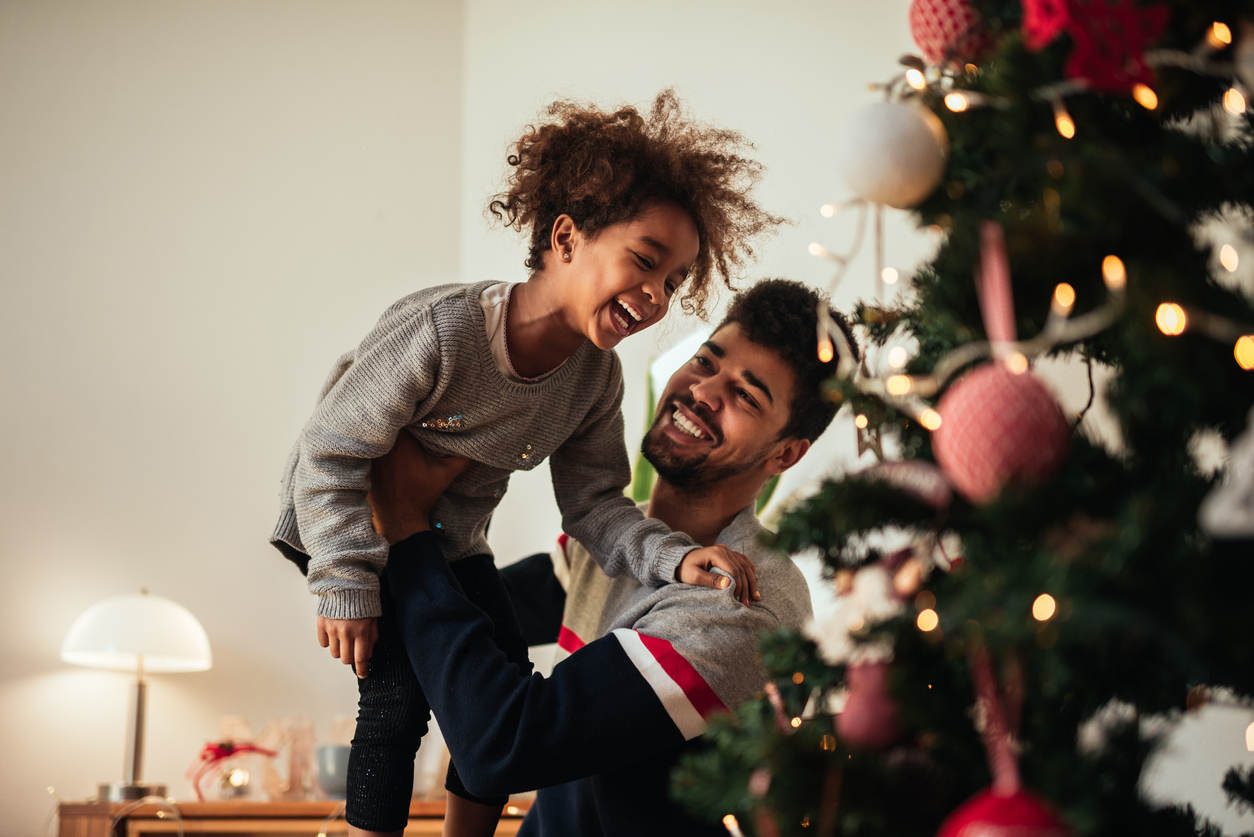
405 483
695 569
350 640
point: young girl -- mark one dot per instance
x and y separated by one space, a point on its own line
624 211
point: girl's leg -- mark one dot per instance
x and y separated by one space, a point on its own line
469 815
391 720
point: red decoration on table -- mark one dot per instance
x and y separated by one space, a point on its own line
947 30
212 756
869 719
1043 21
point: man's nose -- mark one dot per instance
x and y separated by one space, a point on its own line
708 392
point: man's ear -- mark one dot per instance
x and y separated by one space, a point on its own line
562 238
787 453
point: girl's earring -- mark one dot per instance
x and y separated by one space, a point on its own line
566 256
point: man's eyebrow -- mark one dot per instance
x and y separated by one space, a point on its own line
757 382
715 349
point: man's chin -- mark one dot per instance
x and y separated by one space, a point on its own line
679 471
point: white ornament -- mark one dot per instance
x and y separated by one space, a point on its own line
893 153
870 600
1228 511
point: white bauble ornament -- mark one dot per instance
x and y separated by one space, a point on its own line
893 153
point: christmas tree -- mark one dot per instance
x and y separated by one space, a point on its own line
1017 598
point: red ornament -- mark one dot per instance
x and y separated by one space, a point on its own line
999 428
869 719
1110 40
1020 814
947 30
1044 20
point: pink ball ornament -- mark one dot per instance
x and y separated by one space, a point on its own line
1019 813
947 30
999 428
869 719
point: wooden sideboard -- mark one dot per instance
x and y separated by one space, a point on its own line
244 819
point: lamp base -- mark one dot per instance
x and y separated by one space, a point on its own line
123 792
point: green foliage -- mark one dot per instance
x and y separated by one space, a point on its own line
1148 607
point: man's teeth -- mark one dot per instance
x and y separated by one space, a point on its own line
630 309
688 427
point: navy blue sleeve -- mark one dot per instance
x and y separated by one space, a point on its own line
508 732
537 596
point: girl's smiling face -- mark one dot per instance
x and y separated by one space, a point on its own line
620 280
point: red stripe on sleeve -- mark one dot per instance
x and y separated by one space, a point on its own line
698 692
568 641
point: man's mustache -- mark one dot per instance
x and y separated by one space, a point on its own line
698 410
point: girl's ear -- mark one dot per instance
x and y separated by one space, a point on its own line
562 239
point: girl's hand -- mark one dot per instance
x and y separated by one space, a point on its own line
695 569
404 484
350 640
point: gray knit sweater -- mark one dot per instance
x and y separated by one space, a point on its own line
427 367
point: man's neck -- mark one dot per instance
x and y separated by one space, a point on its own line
701 514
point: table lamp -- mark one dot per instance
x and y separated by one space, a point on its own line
144 634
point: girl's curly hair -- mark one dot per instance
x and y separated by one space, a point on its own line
602 168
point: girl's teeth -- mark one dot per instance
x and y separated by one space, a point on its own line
686 426
619 320
630 309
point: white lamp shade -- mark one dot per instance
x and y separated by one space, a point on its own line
114 633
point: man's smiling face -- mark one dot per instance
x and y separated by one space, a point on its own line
721 413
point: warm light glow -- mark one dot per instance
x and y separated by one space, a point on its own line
513 810
826 351
1219 35
860 421
897 357
1249 738
817 249
237 777
732 826
1171 319
928 620
924 600
1065 124
915 79
1017 363
1044 607
930 419
1234 102
798 678
1145 97
796 722
957 102
898 385
1114 274
889 275
827 210
1228 258
971 69
1064 298
828 743
1244 352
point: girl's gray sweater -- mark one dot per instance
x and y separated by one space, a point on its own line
427 368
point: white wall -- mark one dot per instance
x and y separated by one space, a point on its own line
201 205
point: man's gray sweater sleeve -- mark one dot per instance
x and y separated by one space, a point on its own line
357 421
590 471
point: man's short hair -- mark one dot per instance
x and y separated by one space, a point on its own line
782 315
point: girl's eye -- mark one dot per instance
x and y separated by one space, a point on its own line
644 262
670 288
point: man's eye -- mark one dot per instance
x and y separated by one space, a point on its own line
700 360
746 397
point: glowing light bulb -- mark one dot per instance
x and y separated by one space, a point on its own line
928 620
798 678
1114 274
1249 738
1228 258
827 210
826 351
828 743
1234 102
890 275
957 102
860 421
1064 298
238 777
817 249
930 419
971 69
732 826
897 357
1219 35
795 722
1065 125
898 384
1044 607
916 79
1244 352
924 600
1145 96
1171 319
1017 363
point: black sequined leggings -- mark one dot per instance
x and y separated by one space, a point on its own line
392 711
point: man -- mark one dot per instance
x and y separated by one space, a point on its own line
646 665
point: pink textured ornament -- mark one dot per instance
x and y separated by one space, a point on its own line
947 30
869 719
999 428
1019 813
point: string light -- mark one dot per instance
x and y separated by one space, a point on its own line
732 826
957 102
1017 363
828 743
826 351
1145 96
1249 738
930 419
795 722
925 600
928 620
890 275
1228 258
898 385
1171 319
1244 352
798 678
897 357
1064 299
1234 102
1114 274
1044 607
1062 120
1219 35
827 210
860 421
916 79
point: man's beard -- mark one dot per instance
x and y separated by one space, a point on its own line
687 473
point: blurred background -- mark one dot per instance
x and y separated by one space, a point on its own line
202 204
